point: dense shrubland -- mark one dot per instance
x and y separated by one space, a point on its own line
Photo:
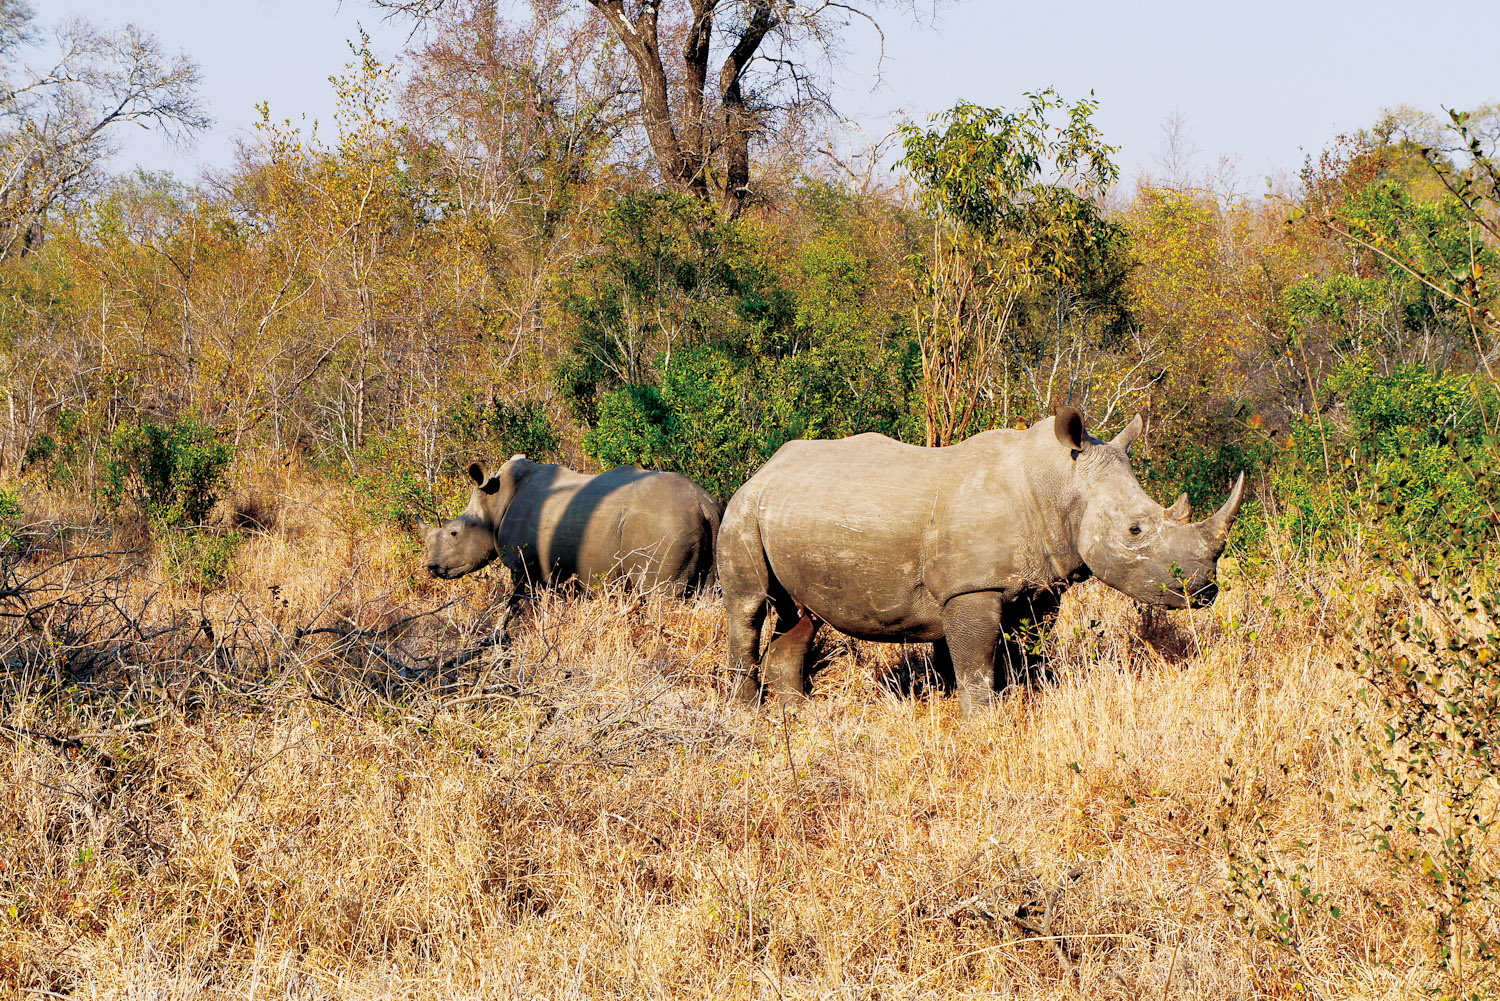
250 742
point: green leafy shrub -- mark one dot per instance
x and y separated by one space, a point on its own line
523 428
198 558
476 425
64 451
391 482
401 474
1410 467
1202 459
669 274
11 513
716 417
634 424
172 472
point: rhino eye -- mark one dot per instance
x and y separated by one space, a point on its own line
1135 529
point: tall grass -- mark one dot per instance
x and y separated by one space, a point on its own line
327 781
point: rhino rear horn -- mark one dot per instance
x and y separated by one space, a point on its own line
1180 511
1217 527
1132 431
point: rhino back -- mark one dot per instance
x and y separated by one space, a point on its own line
540 529
565 524
668 525
873 535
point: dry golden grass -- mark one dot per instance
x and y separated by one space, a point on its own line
252 812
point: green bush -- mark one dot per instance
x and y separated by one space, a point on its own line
10 519
63 452
391 481
715 417
1410 468
490 428
172 472
510 428
1202 459
634 424
198 558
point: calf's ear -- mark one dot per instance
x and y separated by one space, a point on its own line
1067 424
482 478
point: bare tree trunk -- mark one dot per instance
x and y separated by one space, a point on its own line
695 53
641 40
738 123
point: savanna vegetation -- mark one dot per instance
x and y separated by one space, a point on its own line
251 748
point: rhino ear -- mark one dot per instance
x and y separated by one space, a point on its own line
1068 426
1179 512
1132 431
477 473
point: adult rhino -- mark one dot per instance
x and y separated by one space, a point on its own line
962 546
550 524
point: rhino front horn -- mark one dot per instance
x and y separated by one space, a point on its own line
1217 527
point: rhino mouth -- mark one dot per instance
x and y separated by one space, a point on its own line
443 571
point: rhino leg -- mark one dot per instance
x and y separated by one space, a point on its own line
515 606
971 631
744 611
785 662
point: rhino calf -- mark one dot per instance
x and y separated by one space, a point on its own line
967 547
550 524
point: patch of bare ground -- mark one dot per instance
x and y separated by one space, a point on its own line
329 780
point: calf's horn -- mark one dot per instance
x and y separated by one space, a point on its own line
1218 525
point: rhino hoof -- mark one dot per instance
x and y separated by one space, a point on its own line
749 691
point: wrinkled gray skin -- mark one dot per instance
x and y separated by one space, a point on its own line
550 524
960 546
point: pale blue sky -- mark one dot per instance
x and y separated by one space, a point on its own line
1259 84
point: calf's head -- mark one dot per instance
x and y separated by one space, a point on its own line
467 542
1154 554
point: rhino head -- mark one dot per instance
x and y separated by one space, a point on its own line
466 543
1154 554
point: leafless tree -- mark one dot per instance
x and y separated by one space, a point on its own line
713 76
1177 152
59 119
